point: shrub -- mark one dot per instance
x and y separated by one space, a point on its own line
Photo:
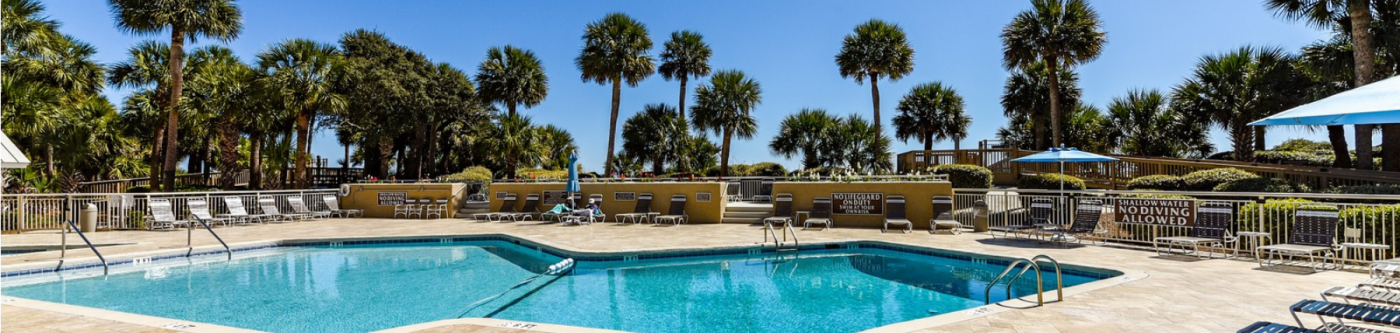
1278 215
1207 180
541 174
1309 158
965 175
1050 181
735 170
1271 185
472 174
1302 145
1157 182
1158 196
820 171
768 169
1366 189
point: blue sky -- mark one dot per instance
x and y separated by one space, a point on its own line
788 46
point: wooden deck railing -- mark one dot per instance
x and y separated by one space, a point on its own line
1115 175
320 177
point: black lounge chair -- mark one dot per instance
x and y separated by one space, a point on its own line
943 216
782 211
677 213
1369 314
530 210
1212 229
641 213
1314 232
1086 221
507 210
1040 211
765 190
1268 327
572 203
821 214
896 215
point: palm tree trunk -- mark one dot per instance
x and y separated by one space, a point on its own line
255 169
49 169
157 153
1390 146
1338 137
1364 156
957 144
612 124
680 105
1242 140
928 142
724 154
177 83
228 155
511 108
1052 68
415 166
386 150
303 130
875 100
1259 144
656 164
345 168
1038 127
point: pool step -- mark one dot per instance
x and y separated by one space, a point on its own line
746 212
474 207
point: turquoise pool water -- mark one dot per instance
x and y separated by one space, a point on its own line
363 288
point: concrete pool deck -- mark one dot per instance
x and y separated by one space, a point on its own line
1175 295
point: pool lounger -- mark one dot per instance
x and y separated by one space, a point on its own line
1314 233
1086 221
1360 294
1040 211
1268 327
1212 229
676 215
943 217
1364 313
896 216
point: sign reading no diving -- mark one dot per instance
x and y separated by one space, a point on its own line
858 203
1156 211
392 198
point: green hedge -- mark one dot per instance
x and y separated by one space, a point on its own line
820 171
1157 182
1308 158
965 175
1207 180
537 173
1049 181
1271 185
1366 189
767 169
472 174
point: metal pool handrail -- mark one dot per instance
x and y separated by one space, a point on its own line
1039 286
1059 278
63 247
189 238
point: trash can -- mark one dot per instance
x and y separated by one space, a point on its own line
87 220
979 217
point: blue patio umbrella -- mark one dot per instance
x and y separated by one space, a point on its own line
1375 103
572 186
1062 155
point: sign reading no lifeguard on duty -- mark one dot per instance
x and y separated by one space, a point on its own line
858 203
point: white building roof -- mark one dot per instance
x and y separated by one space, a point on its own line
10 155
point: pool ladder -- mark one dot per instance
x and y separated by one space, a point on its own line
1025 265
63 247
785 230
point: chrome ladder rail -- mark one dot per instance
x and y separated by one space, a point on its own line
1059 278
1039 286
189 238
787 230
63 247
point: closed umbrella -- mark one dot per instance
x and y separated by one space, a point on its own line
1375 103
1062 155
572 186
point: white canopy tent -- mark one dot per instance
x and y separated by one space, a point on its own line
10 158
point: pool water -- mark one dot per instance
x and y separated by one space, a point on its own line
364 288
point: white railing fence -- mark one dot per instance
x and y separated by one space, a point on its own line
1376 217
29 212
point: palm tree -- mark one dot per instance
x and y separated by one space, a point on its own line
1060 33
686 55
148 66
515 141
861 146
560 144
298 72
511 76
67 66
24 27
877 49
931 111
186 19
223 87
655 134
804 133
1026 97
725 107
615 49
1088 129
1145 125
1235 88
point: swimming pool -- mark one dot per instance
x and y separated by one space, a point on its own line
363 288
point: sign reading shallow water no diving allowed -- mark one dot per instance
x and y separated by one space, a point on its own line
858 203
1156 211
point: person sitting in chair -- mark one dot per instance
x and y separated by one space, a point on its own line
588 210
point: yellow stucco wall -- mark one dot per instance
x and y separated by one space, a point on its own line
366 196
918 199
700 212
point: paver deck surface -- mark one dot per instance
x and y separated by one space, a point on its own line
1176 296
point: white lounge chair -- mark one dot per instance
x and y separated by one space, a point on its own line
299 207
200 209
334 206
163 215
240 213
269 208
